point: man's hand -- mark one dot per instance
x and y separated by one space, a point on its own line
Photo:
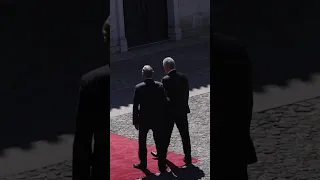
136 126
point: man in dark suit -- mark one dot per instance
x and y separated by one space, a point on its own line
92 114
232 102
177 89
148 114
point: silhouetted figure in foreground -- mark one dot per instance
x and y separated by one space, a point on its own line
92 113
148 114
231 105
177 89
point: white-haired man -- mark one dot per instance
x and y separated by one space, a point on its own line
177 89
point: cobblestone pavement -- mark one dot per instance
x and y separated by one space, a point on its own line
287 140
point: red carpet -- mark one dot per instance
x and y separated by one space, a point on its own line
124 153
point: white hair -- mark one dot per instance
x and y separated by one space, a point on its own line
169 62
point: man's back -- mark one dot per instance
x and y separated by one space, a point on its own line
92 114
231 73
97 84
150 96
177 89
232 100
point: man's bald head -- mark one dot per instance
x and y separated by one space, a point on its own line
147 71
168 64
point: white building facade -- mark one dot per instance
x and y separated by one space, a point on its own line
139 22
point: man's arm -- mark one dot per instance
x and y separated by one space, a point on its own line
136 103
164 84
163 94
82 145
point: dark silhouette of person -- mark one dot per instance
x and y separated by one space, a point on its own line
148 114
231 108
177 89
92 114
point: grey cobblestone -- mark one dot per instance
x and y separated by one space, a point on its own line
287 142
60 171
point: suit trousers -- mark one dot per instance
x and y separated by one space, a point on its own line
158 138
182 124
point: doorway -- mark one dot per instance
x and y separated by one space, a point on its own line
145 21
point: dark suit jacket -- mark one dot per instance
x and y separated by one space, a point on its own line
92 121
149 103
232 100
177 89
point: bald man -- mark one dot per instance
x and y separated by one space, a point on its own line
148 114
92 114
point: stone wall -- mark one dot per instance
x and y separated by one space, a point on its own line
194 15
185 18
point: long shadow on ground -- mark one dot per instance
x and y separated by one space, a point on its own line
47 46
190 172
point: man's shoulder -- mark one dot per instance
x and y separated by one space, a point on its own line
182 77
180 74
165 77
96 74
140 85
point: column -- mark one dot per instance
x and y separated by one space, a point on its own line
114 35
121 27
174 29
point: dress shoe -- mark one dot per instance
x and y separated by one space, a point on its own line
140 166
154 153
